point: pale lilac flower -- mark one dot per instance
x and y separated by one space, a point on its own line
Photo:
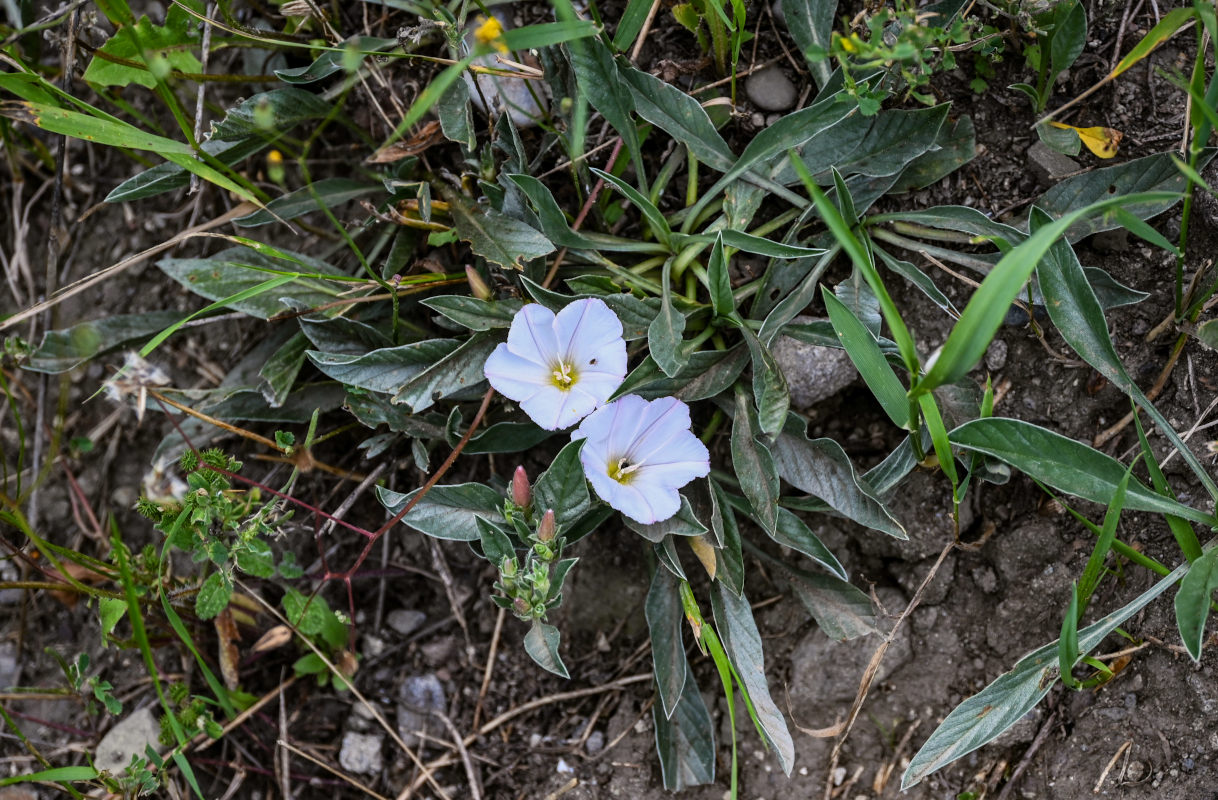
637 454
560 367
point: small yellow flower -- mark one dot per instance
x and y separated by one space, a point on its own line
490 31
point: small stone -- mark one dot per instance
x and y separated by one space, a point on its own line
9 597
10 669
595 743
996 355
126 739
518 96
405 621
361 752
1048 164
758 119
418 696
985 579
771 90
1136 771
813 373
839 775
373 646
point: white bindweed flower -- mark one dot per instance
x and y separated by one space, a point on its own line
637 454
560 367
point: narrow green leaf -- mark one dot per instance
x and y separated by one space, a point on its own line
665 334
325 193
1093 571
1078 315
975 329
655 220
1186 537
385 369
598 79
496 544
475 314
810 23
459 370
554 224
869 360
679 115
1166 28
52 775
792 532
729 559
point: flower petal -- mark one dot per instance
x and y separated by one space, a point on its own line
514 377
598 386
549 408
645 503
532 335
587 329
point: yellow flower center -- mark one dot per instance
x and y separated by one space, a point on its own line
622 472
490 31
563 376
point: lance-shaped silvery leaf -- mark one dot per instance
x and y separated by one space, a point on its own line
1066 465
541 643
459 370
664 622
738 630
495 236
447 512
386 369
821 468
1193 601
563 487
685 743
984 716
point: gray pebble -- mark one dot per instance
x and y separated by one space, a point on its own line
361 752
813 373
10 669
771 90
520 97
1048 164
405 620
129 737
418 695
996 355
595 743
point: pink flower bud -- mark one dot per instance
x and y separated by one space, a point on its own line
522 607
548 527
477 286
522 494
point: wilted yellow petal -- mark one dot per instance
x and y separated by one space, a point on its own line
705 553
1103 142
